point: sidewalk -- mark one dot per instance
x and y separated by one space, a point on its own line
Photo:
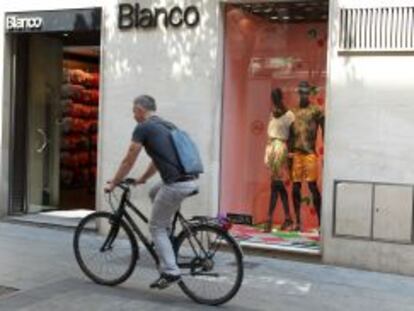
40 264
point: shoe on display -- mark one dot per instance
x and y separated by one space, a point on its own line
267 227
298 228
285 226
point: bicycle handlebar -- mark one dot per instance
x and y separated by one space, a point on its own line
128 182
125 184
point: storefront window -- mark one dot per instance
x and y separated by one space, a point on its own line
275 57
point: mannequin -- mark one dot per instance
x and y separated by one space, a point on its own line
308 118
276 156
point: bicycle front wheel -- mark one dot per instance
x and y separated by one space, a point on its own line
105 248
211 263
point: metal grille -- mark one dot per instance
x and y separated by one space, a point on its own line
298 11
376 29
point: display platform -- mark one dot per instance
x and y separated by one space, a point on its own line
290 241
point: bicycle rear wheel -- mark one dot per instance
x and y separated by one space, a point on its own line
107 255
212 276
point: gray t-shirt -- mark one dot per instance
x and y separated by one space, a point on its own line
155 137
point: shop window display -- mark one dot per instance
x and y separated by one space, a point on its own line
273 116
79 130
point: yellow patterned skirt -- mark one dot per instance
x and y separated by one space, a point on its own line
276 156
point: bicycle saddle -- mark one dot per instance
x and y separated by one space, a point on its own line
195 192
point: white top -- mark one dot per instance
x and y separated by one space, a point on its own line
279 127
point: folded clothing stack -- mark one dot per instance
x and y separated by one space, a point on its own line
80 110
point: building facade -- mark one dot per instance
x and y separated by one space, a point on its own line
196 59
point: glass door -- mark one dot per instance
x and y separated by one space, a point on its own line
43 130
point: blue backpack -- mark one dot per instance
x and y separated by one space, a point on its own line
187 151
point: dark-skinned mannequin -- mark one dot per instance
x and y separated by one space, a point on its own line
277 155
308 118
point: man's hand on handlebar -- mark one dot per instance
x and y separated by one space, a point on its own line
110 186
129 181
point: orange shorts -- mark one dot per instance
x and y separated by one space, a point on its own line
305 167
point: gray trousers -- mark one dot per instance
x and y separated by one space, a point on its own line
166 201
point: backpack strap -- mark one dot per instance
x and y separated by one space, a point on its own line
167 124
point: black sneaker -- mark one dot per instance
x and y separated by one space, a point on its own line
165 280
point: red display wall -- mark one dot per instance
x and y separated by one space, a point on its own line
259 56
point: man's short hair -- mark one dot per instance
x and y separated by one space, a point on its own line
147 102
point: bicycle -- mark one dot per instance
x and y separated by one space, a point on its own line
210 259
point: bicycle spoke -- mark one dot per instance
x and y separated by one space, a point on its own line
209 277
211 254
111 264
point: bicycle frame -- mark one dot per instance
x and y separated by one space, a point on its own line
122 212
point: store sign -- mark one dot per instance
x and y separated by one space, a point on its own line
53 21
23 23
133 16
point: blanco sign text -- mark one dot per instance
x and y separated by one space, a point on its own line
23 23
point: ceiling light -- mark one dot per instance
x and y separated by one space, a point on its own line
268 9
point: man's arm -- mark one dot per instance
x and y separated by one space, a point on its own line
126 165
151 170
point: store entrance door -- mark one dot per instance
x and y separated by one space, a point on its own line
55 123
43 130
52 132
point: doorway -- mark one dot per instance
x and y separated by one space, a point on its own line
54 122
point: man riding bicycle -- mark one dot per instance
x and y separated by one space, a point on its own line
153 133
